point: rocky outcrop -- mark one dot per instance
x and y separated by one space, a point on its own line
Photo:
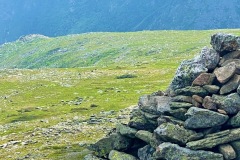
198 118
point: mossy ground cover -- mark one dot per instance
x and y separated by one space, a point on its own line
35 101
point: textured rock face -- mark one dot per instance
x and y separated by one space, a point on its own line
186 73
225 42
173 151
199 119
116 155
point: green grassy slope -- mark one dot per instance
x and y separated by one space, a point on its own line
35 101
103 49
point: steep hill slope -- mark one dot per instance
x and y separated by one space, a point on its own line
61 17
103 49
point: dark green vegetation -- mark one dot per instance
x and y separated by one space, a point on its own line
61 17
36 103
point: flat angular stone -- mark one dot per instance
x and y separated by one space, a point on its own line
224 43
126 130
215 139
116 155
209 103
91 157
176 134
204 79
164 119
203 118
179 113
114 141
196 104
227 151
146 136
229 103
197 98
180 98
237 63
209 57
177 105
212 88
231 55
231 85
190 91
224 73
171 151
154 104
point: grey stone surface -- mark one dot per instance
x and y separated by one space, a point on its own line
200 118
116 155
227 151
209 57
215 139
190 91
212 88
146 153
229 103
231 85
204 79
225 73
126 130
171 151
176 134
225 43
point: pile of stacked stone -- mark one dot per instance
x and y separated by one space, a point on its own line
198 117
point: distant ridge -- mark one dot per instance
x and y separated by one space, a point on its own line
62 17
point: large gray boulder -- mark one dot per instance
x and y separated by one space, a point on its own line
204 118
177 134
210 58
186 73
171 151
224 43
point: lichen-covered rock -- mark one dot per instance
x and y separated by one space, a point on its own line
224 73
224 43
229 103
209 57
238 90
180 98
116 155
126 130
190 91
176 105
91 157
231 85
140 122
146 153
227 151
154 104
177 134
171 151
114 142
186 73
213 89
215 139
204 79
179 113
200 118
236 147
145 136
164 119
235 121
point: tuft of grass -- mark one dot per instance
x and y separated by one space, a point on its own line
126 76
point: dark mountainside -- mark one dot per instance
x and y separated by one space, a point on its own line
61 17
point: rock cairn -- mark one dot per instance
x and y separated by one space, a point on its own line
198 117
